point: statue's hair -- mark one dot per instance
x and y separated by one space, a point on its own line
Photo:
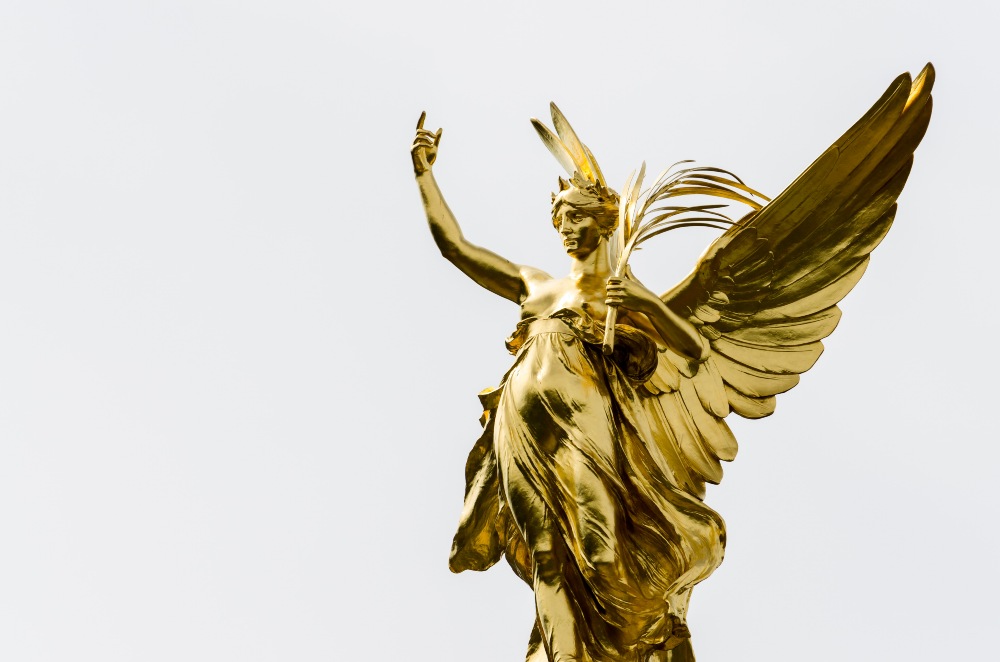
593 198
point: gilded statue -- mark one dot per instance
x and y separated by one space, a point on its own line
590 474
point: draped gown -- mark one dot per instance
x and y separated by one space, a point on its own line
566 475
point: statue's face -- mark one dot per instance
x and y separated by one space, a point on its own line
582 219
581 233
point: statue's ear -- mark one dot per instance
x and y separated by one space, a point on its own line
563 184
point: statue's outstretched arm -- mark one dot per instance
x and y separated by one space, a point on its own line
493 272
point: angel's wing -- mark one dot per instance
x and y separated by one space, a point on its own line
765 293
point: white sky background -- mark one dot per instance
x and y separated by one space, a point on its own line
237 382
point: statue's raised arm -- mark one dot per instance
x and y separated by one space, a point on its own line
493 272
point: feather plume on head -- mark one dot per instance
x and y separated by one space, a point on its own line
586 189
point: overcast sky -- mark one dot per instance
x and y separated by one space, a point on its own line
237 381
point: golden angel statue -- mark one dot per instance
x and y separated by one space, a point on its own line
590 473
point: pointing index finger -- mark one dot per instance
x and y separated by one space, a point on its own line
420 122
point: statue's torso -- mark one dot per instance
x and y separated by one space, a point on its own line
546 295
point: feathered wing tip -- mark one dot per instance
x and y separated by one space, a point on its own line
567 148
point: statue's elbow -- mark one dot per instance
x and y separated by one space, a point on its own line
701 350
451 252
449 246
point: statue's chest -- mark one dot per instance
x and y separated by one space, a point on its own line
547 298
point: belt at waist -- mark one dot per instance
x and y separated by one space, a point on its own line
551 325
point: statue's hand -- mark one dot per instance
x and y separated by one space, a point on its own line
629 294
425 146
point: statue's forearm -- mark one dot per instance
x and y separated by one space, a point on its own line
443 224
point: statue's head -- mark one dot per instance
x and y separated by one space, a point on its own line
584 213
588 199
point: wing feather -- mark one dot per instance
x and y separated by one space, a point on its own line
796 331
753 382
716 438
678 417
800 275
749 407
665 378
775 359
711 390
817 301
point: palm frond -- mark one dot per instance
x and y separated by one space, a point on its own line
643 214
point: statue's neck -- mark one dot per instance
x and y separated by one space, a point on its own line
595 266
